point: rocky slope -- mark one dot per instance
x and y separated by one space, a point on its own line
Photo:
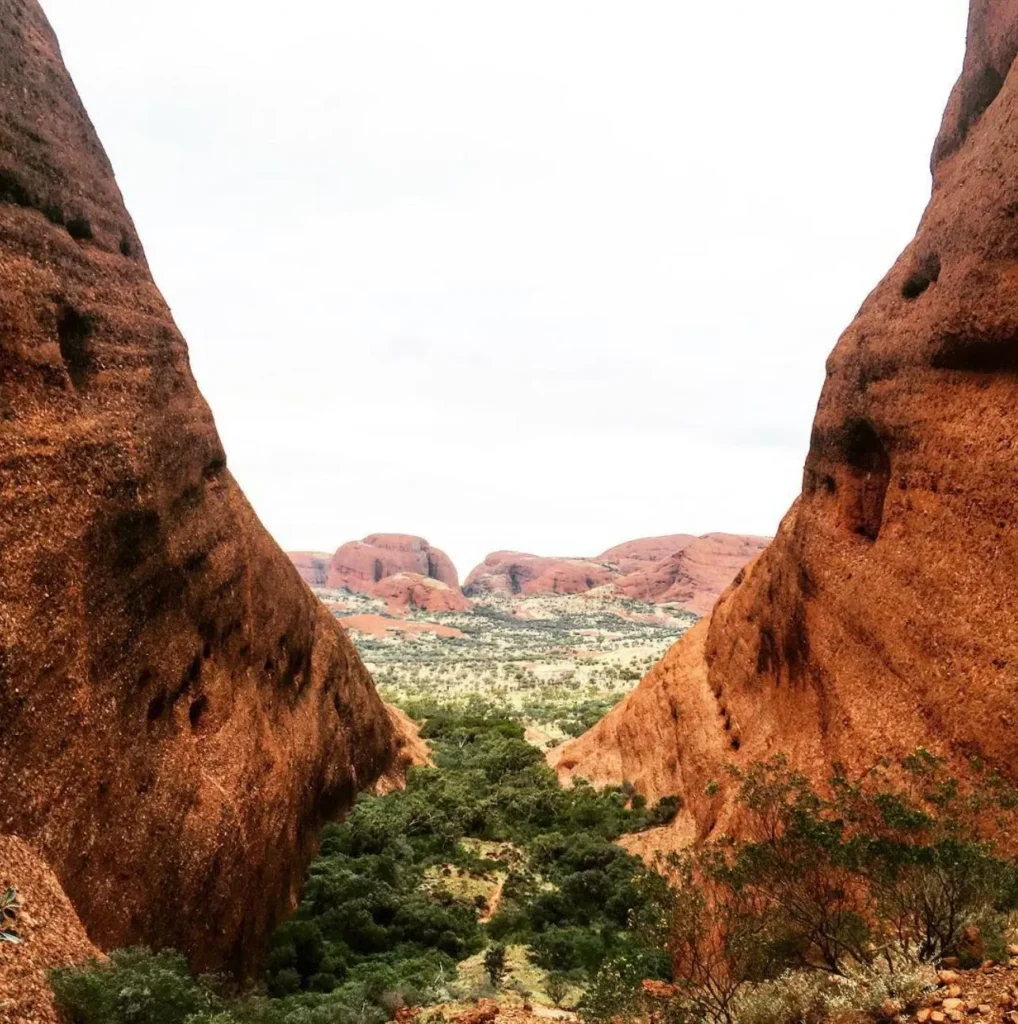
50 932
634 555
360 564
506 572
179 714
881 618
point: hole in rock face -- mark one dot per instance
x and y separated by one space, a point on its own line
156 707
926 273
976 355
73 333
378 570
197 710
12 190
869 472
80 229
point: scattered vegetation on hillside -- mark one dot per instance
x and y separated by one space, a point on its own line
559 661
835 903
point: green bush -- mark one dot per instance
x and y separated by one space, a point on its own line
890 871
376 924
135 986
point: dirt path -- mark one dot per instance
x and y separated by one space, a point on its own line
494 902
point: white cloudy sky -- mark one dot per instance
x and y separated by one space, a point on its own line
545 275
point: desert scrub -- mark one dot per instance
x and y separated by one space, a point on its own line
812 997
135 986
380 924
867 885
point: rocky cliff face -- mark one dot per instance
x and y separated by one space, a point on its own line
360 564
178 713
881 618
634 555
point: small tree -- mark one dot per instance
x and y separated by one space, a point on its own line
556 986
495 965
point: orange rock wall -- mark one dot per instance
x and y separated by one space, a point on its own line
882 617
179 714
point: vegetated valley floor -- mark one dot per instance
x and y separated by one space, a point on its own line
559 661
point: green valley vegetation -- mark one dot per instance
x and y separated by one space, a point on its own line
484 877
387 915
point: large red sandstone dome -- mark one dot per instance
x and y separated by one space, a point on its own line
680 568
360 564
883 615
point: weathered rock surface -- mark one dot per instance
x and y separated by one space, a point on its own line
179 714
410 590
313 566
634 555
691 571
360 564
695 575
882 617
506 572
51 936
571 576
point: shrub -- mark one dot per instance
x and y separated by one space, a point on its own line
557 987
889 873
495 965
135 986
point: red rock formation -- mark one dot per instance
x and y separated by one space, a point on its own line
360 564
51 934
313 566
179 715
690 571
571 576
634 555
506 572
882 617
694 576
408 590
513 572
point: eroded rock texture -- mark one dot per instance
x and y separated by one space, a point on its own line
179 714
360 564
695 575
682 569
409 590
882 617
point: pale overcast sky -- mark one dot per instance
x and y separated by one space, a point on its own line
545 275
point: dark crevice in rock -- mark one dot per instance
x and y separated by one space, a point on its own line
927 272
73 333
976 355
